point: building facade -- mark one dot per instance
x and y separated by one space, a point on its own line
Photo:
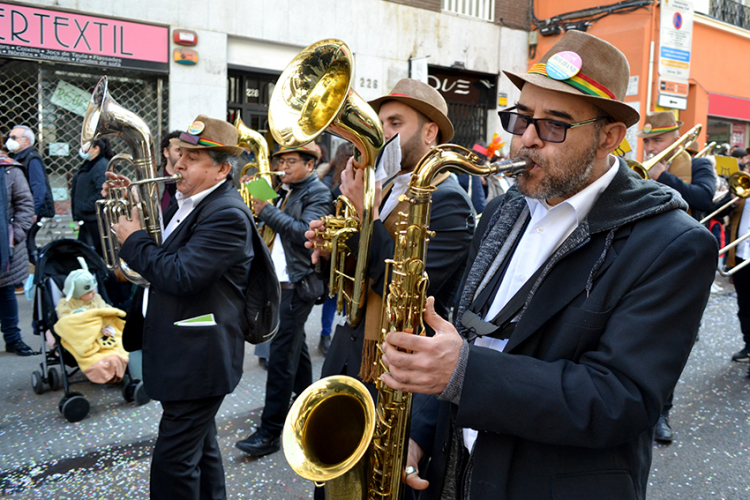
170 60
713 94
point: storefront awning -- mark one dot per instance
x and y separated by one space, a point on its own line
727 106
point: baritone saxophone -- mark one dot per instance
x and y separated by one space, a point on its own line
334 434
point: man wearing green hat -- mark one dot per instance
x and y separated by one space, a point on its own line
289 365
568 335
189 320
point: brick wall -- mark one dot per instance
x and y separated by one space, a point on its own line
513 13
421 4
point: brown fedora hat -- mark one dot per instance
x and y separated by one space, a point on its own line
657 123
424 99
305 148
584 65
209 133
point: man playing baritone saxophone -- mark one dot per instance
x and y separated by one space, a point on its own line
189 320
583 295
418 113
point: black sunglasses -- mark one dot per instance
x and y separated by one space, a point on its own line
547 129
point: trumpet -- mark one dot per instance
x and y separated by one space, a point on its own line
680 144
314 95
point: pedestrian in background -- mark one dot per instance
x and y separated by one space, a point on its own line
86 190
16 215
21 143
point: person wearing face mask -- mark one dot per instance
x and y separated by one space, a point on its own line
16 214
85 191
21 143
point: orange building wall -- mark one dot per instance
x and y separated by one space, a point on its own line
718 61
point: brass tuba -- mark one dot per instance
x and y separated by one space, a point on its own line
314 95
105 117
324 445
680 145
248 137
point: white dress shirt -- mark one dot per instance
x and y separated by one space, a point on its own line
743 249
547 229
185 206
400 186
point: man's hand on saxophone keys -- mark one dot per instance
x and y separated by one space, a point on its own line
422 364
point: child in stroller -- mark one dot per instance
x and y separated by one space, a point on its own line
59 260
90 329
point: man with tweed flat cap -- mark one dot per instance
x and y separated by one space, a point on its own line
189 320
569 334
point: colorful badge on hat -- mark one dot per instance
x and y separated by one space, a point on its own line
196 128
564 65
647 128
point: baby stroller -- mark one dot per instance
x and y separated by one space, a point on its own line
56 261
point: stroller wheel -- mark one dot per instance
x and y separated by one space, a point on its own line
128 389
53 378
37 382
139 393
74 407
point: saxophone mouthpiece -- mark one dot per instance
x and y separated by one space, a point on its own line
514 166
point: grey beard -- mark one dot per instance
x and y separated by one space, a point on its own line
566 178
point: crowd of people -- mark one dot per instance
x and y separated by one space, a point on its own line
555 333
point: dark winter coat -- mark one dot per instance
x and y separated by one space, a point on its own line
567 410
86 189
310 200
20 209
36 176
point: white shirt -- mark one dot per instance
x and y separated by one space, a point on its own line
279 260
743 249
547 229
185 206
400 186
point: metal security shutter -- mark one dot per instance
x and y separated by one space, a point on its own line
469 122
21 86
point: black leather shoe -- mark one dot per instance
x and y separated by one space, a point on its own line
19 347
663 432
259 443
742 355
324 344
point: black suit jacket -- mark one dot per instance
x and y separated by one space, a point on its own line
567 410
201 269
452 219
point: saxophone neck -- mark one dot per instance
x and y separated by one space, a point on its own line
460 159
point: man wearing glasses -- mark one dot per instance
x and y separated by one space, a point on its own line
582 297
289 366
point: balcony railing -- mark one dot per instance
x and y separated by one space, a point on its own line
731 12
483 9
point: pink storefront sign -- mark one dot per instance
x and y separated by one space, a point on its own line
53 35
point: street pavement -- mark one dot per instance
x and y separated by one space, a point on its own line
107 455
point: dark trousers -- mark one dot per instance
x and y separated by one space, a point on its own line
742 286
326 316
289 366
9 314
31 242
88 233
186 462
